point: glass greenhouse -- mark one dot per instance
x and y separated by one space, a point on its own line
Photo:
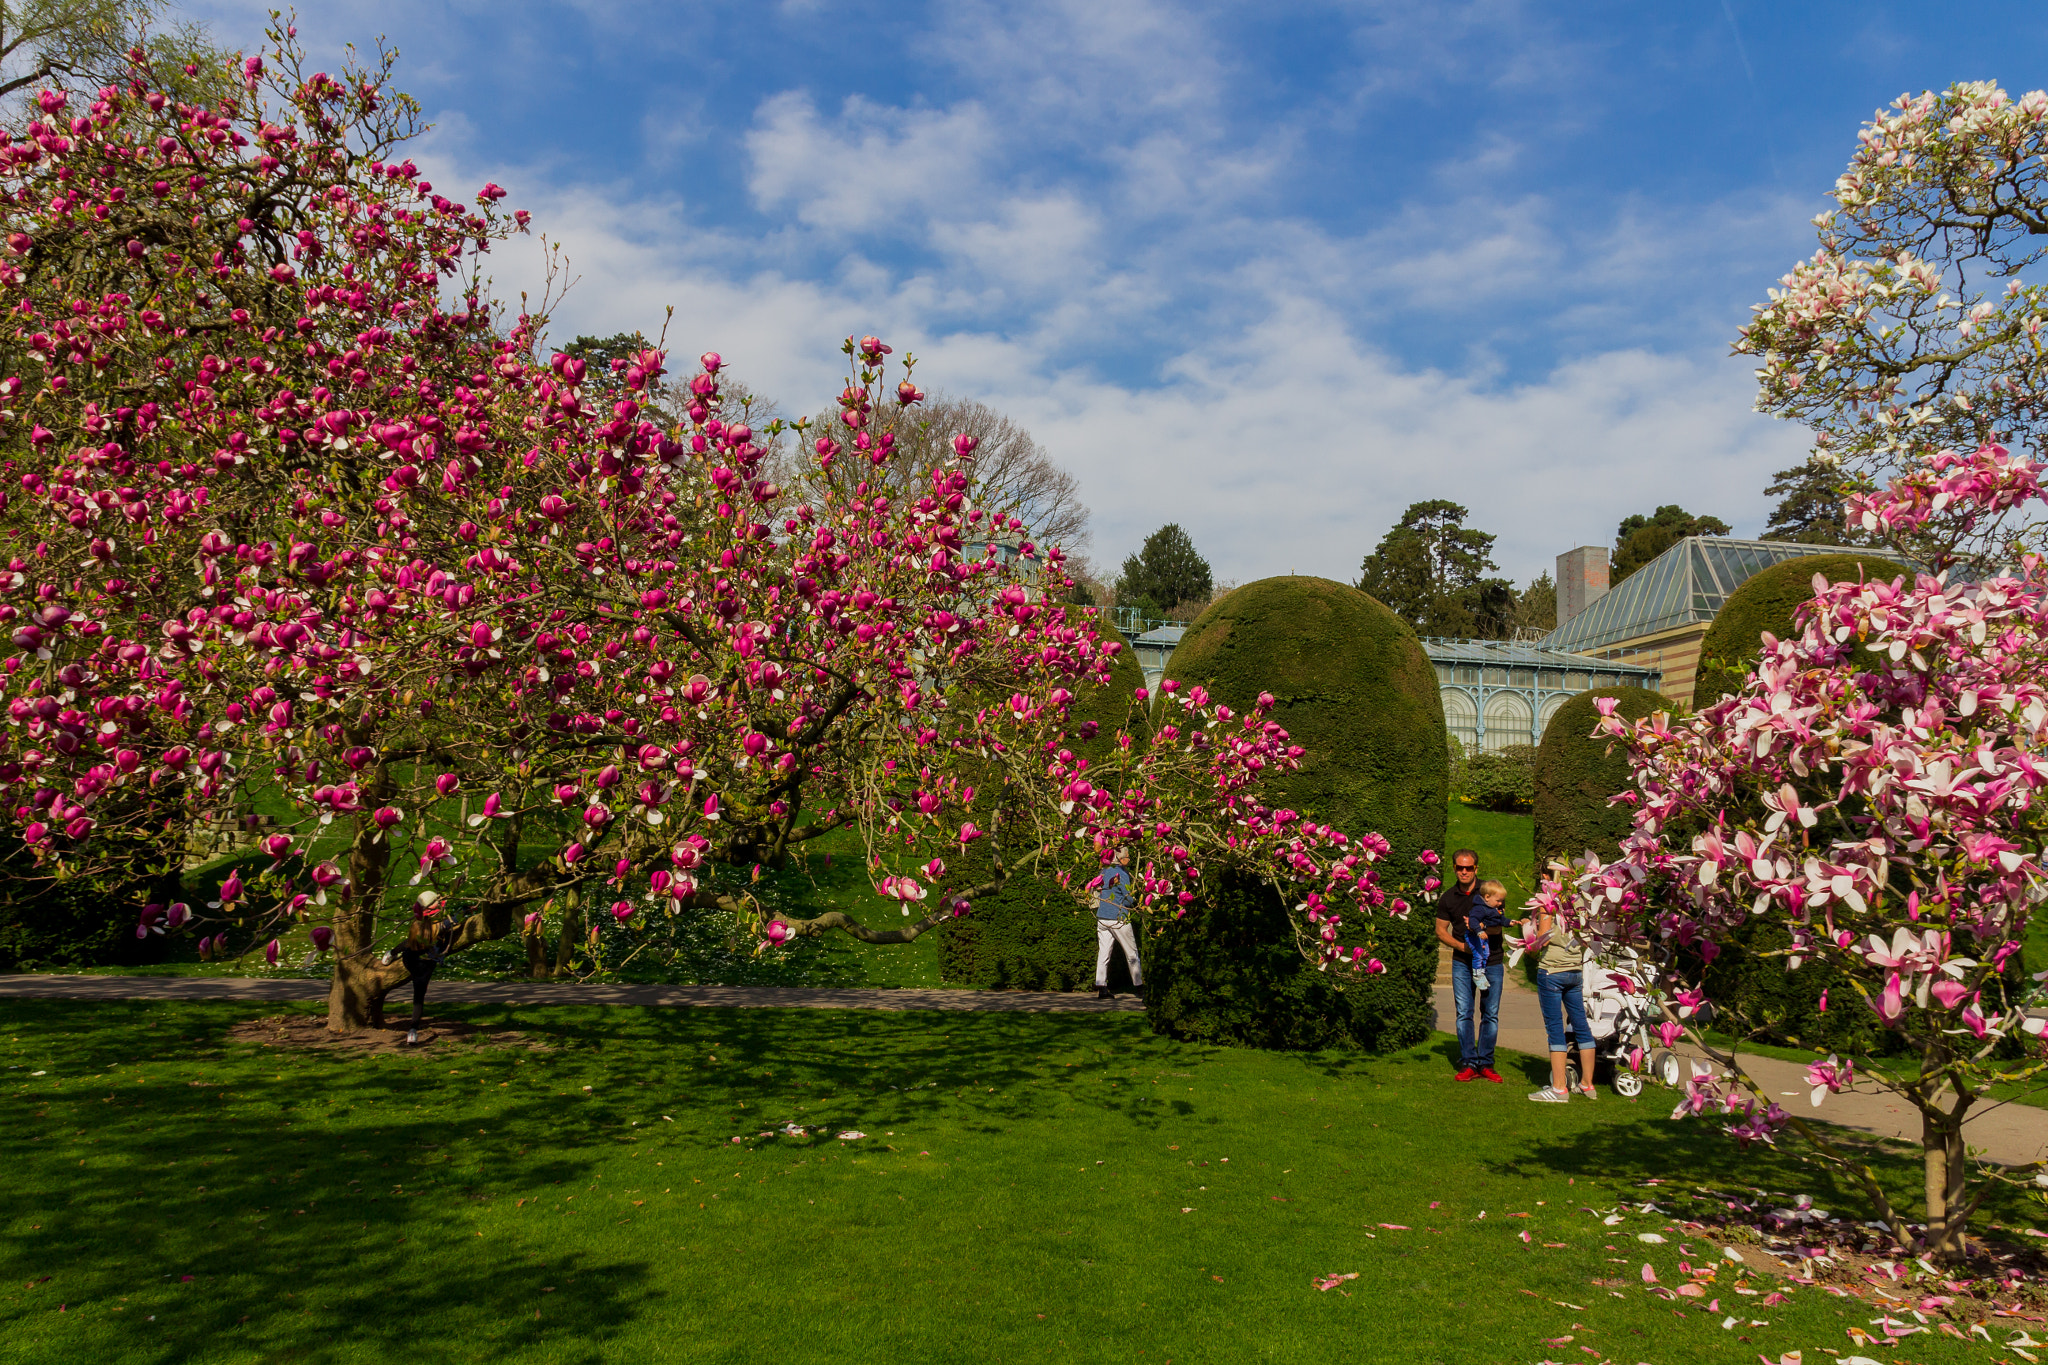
1685 585
1499 693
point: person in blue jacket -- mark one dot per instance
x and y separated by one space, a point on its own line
1113 905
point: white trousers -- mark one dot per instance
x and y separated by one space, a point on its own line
1111 931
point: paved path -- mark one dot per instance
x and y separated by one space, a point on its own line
2012 1134
566 993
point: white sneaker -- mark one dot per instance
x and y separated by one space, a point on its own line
412 1036
1548 1096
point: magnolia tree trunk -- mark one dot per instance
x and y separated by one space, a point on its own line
355 993
1949 1203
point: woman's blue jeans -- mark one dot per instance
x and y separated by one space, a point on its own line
1559 993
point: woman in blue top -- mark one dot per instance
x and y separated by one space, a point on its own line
1113 904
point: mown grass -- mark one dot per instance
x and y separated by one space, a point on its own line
1505 842
1032 1187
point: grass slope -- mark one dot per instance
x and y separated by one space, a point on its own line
1031 1188
1505 843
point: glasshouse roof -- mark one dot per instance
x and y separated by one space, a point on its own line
1514 653
1685 585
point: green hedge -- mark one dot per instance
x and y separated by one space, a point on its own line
48 925
1033 935
1504 780
1758 999
1229 972
1767 602
1354 689
1576 773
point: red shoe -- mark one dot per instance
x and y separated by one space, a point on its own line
1490 1074
1468 1074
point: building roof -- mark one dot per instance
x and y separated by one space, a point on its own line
1165 636
1515 654
1685 585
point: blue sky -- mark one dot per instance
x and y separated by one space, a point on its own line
1271 271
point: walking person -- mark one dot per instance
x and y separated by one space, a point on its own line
1113 905
1560 988
426 943
1453 915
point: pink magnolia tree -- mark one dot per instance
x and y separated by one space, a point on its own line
1874 790
1913 328
296 518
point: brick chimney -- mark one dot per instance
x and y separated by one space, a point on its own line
1581 579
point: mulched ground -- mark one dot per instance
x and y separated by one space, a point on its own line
2001 1284
308 1033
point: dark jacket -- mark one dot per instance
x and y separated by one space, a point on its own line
1454 905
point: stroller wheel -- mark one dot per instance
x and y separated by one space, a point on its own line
1628 1084
1665 1067
1572 1078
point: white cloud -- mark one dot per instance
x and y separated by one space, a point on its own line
1293 447
1035 243
1095 238
870 166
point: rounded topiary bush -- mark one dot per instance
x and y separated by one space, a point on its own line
1767 601
1034 935
1354 690
1229 972
1576 772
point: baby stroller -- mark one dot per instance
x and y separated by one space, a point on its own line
1620 1022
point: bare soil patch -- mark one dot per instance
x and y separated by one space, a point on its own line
2003 1275
309 1033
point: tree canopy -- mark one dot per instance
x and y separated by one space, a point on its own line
1436 574
1809 507
1914 327
294 511
1867 802
1640 539
1013 474
1167 575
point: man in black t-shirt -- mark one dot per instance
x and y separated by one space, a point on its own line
1475 1044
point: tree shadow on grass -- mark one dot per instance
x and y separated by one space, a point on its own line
297 1209
1688 1153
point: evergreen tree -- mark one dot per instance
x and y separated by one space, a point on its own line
1432 571
1536 608
1809 510
599 352
1166 573
1640 539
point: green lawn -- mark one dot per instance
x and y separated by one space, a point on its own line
1032 1187
1505 843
